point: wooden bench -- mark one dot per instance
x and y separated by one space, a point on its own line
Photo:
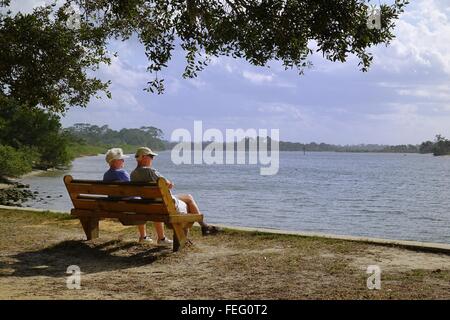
132 203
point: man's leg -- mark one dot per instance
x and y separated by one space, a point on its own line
142 231
159 228
143 234
193 209
191 204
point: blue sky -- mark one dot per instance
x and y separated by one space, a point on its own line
404 98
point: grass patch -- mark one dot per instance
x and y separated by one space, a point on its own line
37 247
12 215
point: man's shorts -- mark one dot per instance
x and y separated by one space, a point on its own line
180 205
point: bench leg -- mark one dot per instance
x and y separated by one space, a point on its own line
90 227
179 236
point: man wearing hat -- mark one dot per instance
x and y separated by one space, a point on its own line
115 159
184 203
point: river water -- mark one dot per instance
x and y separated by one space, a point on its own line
392 196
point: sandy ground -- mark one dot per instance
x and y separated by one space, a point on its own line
37 248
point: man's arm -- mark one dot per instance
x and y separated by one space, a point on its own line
170 185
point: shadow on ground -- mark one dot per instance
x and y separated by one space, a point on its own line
91 257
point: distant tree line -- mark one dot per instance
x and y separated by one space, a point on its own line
104 136
440 147
315 147
93 135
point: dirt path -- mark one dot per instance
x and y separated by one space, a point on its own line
37 248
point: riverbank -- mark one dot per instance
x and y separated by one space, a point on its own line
36 249
15 193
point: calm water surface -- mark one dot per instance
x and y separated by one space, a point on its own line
379 195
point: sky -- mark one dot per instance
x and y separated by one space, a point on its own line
403 99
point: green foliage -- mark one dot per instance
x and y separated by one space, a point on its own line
440 147
43 61
77 149
16 162
128 139
21 127
53 150
404 148
426 147
256 30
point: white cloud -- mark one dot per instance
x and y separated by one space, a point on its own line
229 68
407 123
197 83
437 92
434 92
257 78
124 74
422 39
227 63
124 98
27 6
274 80
282 110
173 86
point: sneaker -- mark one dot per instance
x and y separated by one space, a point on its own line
165 242
146 239
209 230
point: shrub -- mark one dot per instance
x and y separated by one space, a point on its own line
16 162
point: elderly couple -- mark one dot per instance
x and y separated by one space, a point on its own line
144 172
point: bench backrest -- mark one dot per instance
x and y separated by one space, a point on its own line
137 197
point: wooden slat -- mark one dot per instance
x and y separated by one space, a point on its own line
117 183
179 218
120 215
116 199
167 196
67 180
119 206
131 221
149 192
